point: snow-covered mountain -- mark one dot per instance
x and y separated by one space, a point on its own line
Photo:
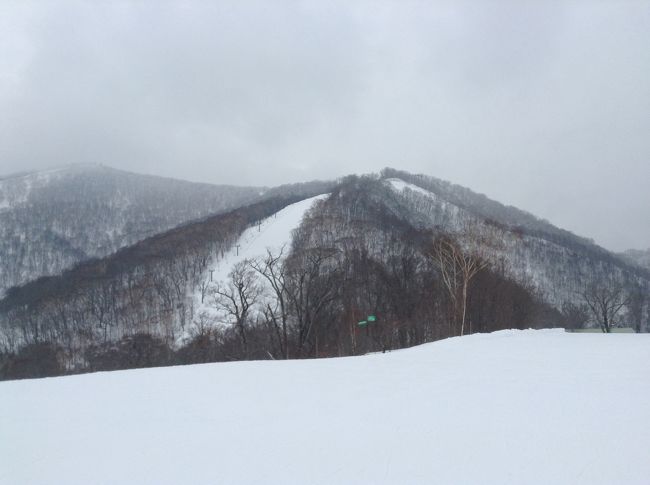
512 407
53 219
557 263
292 274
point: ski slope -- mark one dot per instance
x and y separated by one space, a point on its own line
543 407
273 233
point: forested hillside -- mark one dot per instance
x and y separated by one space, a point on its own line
371 263
51 220
557 263
638 257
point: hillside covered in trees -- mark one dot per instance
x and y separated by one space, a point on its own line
423 259
51 220
637 256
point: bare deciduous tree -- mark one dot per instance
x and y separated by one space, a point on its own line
457 269
272 269
204 286
605 302
237 298
202 325
637 300
575 316
310 279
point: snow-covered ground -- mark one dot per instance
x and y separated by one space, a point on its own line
510 407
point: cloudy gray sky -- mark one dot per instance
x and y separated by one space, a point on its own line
543 105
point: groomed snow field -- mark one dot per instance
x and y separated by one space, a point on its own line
544 407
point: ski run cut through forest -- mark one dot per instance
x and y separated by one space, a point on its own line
271 234
532 406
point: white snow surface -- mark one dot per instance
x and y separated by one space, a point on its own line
509 407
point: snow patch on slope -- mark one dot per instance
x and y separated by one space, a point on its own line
441 213
400 185
510 407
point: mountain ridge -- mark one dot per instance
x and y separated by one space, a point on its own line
71 213
366 248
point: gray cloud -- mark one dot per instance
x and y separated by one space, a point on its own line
543 105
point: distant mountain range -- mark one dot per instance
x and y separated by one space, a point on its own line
202 286
53 219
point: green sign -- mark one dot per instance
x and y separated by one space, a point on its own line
370 319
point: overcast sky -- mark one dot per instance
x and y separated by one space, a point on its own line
543 105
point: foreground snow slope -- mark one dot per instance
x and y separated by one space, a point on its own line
510 407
